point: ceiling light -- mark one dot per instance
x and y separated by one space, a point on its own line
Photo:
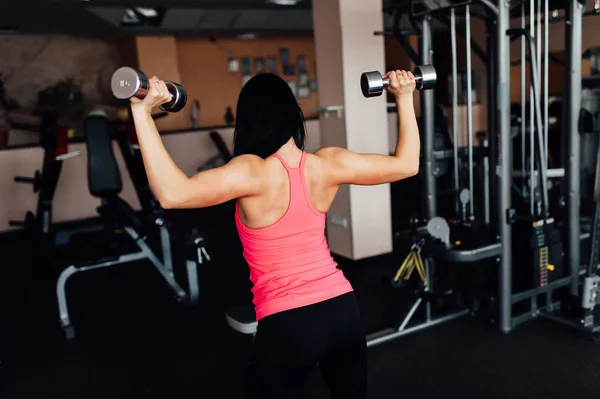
247 36
142 16
130 17
147 12
284 2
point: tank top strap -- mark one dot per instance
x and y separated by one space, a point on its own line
285 165
288 167
302 161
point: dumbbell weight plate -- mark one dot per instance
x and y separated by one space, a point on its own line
179 98
426 77
37 181
127 82
371 84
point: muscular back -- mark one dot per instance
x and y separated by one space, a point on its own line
268 207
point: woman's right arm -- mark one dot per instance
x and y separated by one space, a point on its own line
347 167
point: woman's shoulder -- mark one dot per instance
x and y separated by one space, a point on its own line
249 160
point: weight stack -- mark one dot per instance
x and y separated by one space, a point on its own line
537 249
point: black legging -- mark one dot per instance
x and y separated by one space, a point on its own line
289 344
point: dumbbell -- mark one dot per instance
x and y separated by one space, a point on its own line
127 82
372 84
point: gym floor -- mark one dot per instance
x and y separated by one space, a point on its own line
134 341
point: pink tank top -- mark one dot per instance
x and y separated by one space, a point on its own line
290 262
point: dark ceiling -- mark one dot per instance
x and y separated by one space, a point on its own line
103 18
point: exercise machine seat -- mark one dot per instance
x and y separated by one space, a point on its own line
104 178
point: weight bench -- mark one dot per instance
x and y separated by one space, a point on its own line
242 319
104 182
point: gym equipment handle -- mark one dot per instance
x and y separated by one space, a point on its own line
36 180
22 179
68 155
418 81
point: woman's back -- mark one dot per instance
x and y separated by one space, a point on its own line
282 232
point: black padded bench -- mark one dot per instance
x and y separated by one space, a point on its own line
104 183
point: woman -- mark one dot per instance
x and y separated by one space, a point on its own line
306 310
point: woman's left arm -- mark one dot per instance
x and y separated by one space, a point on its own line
173 189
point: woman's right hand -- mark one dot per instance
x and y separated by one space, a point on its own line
402 83
157 95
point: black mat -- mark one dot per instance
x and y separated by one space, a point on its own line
134 341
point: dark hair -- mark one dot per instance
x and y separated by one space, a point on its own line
267 116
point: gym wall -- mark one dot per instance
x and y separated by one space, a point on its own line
30 63
203 68
33 62
201 65
189 149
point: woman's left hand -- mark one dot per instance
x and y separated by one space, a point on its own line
157 95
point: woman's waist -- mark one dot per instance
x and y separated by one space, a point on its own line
298 280
271 304
269 257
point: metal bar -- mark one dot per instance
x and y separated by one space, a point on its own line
522 318
486 190
532 169
121 260
594 250
555 173
504 165
546 94
61 296
469 107
165 241
490 6
428 274
410 314
521 296
63 309
466 255
68 155
151 256
391 334
523 95
428 117
192 273
534 305
477 49
492 98
538 46
573 43
538 118
454 107
561 320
